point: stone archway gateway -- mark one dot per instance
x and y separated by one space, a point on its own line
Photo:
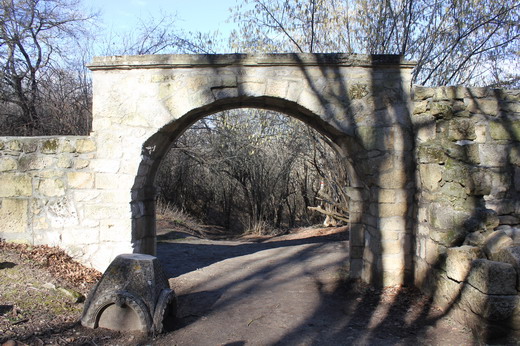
143 103
434 172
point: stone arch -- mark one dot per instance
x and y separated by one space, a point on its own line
142 103
157 146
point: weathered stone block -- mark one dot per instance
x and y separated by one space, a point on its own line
112 181
50 146
477 92
85 146
66 146
454 191
447 292
105 165
81 163
448 237
510 255
385 210
358 91
441 109
489 306
444 216
80 180
432 153
8 164
64 161
492 277
395 179
107 211
476 238
494 155
422 93
14 185
461 129
431 175
458 261
420 107
51 187
36 162
449 93
111 230
14 145
78 237
505 130
495 242
13 215
483 106
394 223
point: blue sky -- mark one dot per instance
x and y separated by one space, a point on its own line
193 15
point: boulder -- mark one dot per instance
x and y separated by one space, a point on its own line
511 255
492 278
491 307
476 238
495 242
459 259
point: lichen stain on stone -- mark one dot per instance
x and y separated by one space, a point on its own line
358 91
50 146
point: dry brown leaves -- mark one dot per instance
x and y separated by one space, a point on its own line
56 261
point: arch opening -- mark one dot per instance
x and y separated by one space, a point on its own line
144 232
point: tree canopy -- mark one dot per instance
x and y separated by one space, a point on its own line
472 42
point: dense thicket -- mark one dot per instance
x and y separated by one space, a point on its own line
250 170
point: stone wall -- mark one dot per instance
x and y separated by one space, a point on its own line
448 215
52 193
467 253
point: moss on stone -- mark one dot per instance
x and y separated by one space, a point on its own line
14 145
461 129
50 146
432 153
441 109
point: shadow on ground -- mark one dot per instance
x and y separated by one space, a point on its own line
290 292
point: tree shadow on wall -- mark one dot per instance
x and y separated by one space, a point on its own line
352 313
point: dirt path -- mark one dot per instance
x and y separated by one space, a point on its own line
289 292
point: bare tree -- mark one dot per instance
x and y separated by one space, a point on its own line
245 169
159 35
35 36
454 42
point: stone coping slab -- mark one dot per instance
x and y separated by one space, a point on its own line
222 60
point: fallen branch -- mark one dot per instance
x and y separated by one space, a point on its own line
333 214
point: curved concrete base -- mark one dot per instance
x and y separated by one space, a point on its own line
132 295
